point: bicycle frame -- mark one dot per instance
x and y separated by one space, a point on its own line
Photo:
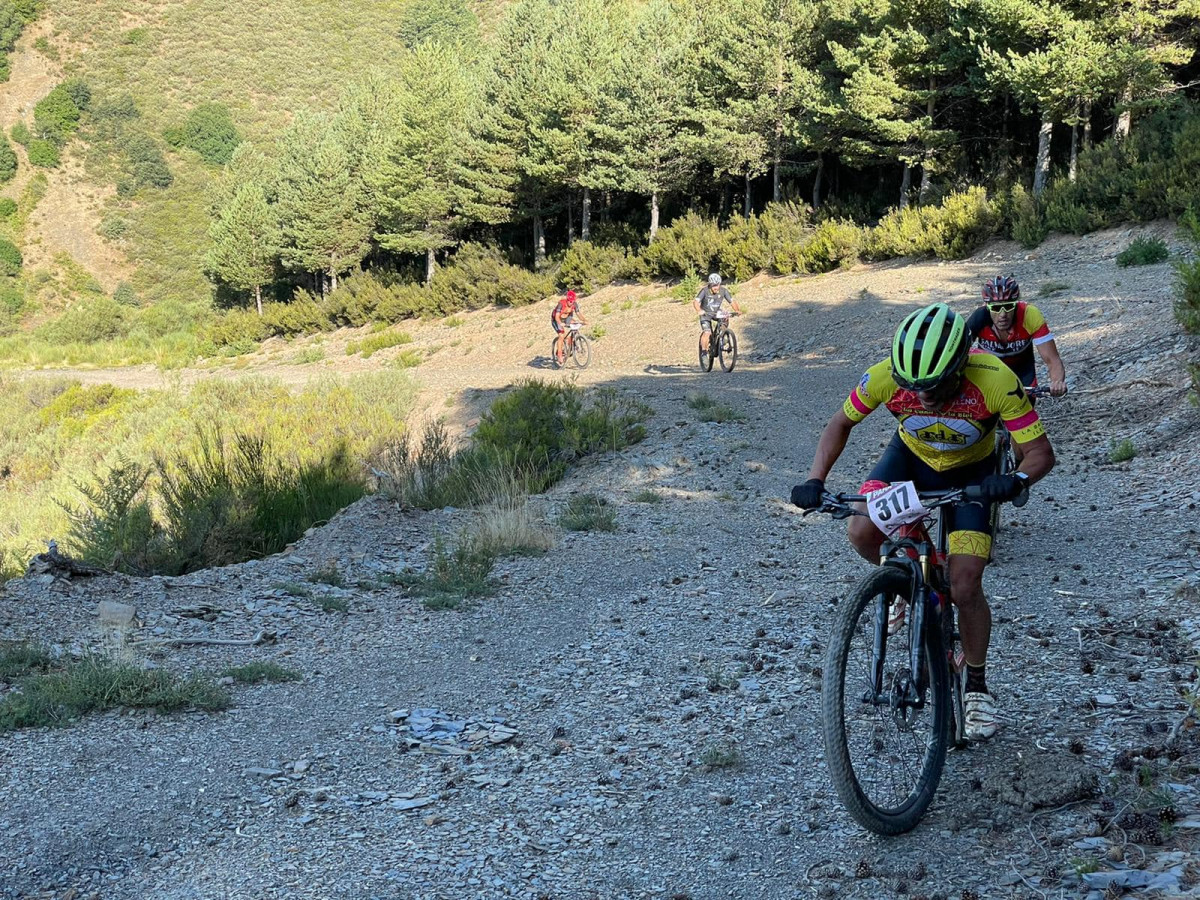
912 549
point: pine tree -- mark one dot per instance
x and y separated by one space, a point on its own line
760 85
515 100
326 219
654 140
431 189
1061 61
244 240
578 81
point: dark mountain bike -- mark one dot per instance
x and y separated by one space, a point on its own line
722 344
575 347
892 703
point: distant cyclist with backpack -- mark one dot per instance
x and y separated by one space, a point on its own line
1007 327
565 312
712 297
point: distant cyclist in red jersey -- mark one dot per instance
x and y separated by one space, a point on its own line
1009 328
564 312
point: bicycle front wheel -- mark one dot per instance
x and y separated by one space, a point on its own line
581 352
885 753
727 348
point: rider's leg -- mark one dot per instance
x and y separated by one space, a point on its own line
966 589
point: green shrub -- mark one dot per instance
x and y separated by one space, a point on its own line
832 244
1028 226
547 426
745 250
952 230
1153 174
1121 451
113 227
56 116
235 499
260 672
8 164
426 472
209 130
586 266
374 343
21 134
688 288
145 165
43 154
95 684
89 321
8 207
125 294
588 512
10 258
1143 251
453 576
528 438
116 528
647 495
1187 295
480 276
689 244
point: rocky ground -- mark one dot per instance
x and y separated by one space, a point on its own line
565 739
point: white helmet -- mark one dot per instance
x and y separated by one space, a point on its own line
714 279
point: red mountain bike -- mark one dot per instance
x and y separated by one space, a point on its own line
891 703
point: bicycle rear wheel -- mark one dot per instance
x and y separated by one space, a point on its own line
727 348
706 358
885 758
582 351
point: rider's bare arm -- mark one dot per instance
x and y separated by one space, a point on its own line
579 315
696 304
832 443
1037 458
1048 351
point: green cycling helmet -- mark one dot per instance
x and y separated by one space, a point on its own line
930 347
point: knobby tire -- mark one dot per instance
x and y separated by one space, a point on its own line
727 348
892 819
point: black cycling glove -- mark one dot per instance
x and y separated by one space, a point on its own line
808 495
1001 488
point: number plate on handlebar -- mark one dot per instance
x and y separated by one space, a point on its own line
893 506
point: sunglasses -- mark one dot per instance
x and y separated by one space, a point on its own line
1002 307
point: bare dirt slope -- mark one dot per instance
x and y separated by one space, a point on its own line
626 661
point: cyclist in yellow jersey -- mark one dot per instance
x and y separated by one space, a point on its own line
948 402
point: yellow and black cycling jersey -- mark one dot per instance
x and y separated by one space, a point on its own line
961 433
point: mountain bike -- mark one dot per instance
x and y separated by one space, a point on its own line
575 347
892 703
1006 464
722 343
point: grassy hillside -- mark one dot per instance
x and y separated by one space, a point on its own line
264 61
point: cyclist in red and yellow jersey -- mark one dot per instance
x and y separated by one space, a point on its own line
565 311
948 402
1009 328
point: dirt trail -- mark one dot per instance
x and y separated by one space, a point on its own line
634 665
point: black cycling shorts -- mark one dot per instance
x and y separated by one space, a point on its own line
899 463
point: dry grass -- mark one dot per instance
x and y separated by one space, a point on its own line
509 526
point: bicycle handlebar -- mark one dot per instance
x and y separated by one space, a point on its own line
838 505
